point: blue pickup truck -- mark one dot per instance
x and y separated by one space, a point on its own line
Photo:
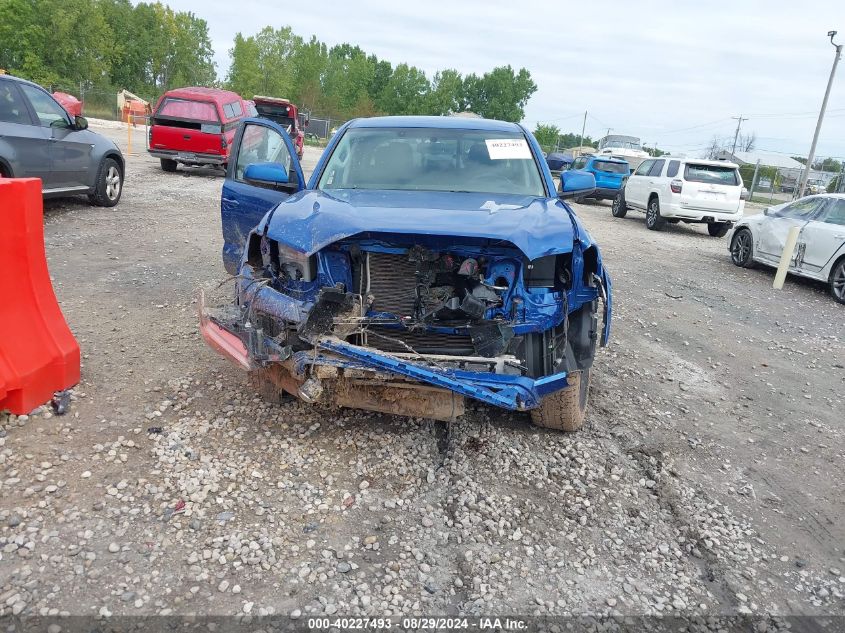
609 174
426 261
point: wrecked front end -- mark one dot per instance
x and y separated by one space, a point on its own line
413 324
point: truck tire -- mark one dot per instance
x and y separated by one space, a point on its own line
718 229
109 184
653 220
169 165
620 207
564 410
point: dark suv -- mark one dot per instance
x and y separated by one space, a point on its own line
39 139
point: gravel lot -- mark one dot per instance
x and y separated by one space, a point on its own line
707 479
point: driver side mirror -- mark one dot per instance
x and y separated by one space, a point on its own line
80 123
576 182
271 175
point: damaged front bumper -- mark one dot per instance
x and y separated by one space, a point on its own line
355 376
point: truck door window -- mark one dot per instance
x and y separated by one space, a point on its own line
260 144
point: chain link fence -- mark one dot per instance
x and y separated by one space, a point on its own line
322 127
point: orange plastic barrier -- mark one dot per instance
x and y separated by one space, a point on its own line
38 354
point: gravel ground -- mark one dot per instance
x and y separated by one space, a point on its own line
707 479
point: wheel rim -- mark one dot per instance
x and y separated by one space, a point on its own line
839 282
615 206
741 248
651 215
112 183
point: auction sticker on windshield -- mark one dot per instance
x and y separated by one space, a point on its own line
507 148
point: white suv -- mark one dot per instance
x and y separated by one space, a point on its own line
684 190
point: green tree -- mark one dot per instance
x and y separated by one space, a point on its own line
573 139
406 91
348 76
828 164
500 93
308 65
446 94
261 64
104 44
547 135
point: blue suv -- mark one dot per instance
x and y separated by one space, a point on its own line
609 174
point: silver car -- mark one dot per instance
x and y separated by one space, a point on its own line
820 251
39 139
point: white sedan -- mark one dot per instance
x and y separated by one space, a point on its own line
820 253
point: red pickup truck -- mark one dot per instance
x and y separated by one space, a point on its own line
195 126
285 114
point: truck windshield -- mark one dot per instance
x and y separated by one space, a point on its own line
426 159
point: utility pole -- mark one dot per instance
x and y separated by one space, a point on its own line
581 140
754 180
739 121
806 175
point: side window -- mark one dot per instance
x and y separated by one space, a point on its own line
835 213
802 209
236 109
672 171
260 144
642 170
227 110
49 112
579 163
12 106
656 168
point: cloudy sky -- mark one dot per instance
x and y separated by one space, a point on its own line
672 76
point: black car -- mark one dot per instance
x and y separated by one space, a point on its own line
39 139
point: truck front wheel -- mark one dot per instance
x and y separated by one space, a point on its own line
564 410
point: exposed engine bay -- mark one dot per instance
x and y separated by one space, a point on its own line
454 306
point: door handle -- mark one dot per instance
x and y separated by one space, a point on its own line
231 201
187 137
839 237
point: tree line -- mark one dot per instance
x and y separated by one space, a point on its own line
92 44
343 81
148 48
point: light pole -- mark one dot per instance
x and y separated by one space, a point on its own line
806 175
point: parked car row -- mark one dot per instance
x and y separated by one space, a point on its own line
672 190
